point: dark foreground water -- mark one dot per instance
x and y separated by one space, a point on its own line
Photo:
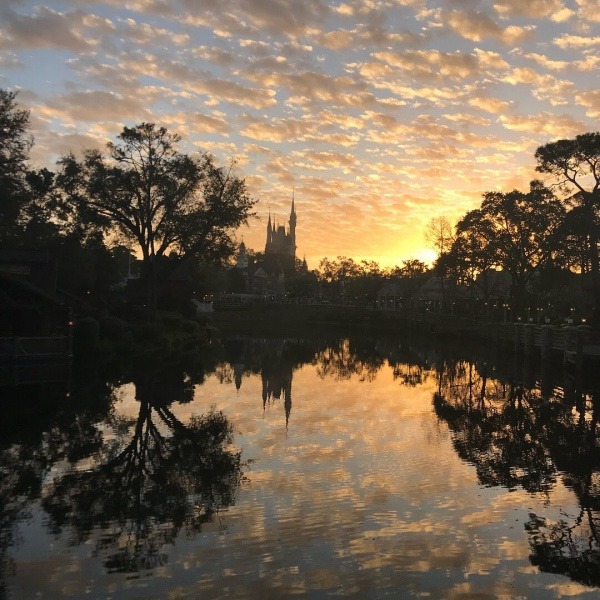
289 468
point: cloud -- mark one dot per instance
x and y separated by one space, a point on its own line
340 39
198 123
47 28
491 105
309 87
144 33
95 105
544 61
286 18
547 125
431 64
567 41
563 15
588 10
476 26
189 80
467 119
591 100
536 9
278 130
543 87
312 159
9 60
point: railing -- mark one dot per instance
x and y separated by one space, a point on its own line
574 342
35 347
24 372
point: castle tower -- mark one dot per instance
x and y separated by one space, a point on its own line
293 229
242 257
269 235
280 245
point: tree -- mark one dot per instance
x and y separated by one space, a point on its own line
349 281
158 199
575 164
515 231
412 268
471 253
15 143
439 234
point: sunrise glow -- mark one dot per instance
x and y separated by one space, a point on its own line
377 115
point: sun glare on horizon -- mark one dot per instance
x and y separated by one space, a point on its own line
379 115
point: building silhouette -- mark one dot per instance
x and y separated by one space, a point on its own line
280 245
279 241
265 274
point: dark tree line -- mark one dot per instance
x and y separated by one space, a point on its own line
142 194
345 281
517 437
553 226
541 238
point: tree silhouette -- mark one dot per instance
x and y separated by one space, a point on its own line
15 143
575 166
167 477
517 438
157 198
515 231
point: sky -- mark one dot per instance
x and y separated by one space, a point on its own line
377 115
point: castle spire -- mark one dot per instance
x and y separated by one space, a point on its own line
293 226
269 233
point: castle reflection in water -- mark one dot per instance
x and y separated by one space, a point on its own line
521 426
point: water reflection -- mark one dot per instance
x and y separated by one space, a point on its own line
361 492
138 479
519 436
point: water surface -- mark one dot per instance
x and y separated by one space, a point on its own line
276 468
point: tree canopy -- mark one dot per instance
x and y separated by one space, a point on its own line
575 166
157 198
15 143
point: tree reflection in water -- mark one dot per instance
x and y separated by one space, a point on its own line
348 358
527 437
150 477
133 484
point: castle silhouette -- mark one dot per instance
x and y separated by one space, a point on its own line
265 273
282 244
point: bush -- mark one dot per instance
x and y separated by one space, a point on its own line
114 329
151 336
86 336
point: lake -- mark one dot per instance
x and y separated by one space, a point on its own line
272 468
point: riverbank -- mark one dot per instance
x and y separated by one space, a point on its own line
574 345
291 318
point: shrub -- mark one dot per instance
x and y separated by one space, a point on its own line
86 336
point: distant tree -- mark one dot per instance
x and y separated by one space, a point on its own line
575 165
349 281
412 272
15 143
162 201
302 284
439 234
412 268
515 231
472 253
